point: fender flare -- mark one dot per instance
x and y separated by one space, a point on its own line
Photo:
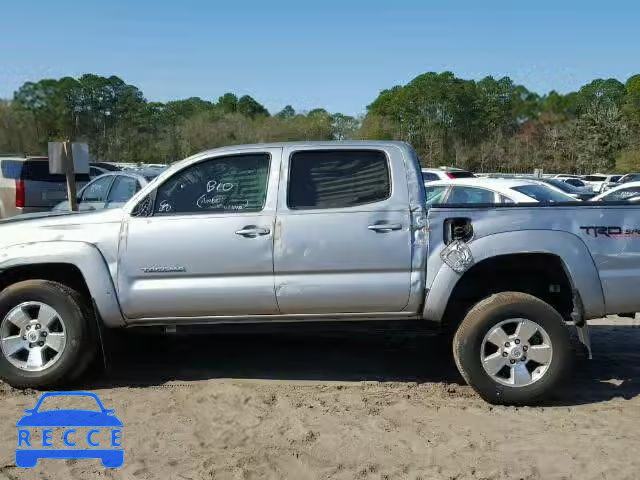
573 253
85 257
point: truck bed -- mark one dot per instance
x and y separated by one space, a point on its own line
598 245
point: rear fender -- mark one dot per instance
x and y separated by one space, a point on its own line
572 251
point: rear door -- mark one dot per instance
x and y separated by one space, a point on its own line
343 241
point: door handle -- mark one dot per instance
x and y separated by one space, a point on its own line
251 231
384 227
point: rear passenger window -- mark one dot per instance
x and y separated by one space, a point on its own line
337 178
221 185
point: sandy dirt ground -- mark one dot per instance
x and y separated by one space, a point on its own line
346 405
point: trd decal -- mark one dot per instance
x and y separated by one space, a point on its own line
610 232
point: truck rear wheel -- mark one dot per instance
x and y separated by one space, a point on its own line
513 349
46 334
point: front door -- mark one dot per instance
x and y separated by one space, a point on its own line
204 246
343 238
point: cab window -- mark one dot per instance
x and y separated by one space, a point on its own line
233 184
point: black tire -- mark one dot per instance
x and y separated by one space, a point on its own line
81 339
484 316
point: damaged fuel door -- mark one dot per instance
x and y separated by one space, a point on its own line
456 233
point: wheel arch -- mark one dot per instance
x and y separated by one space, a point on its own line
78 265
559 254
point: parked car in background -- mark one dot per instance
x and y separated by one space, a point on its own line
566 175
26 186
597 181
111 190
575 182
99 168
444 173
629 191
568 188
629 177
491 190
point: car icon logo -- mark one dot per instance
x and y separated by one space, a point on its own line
84 433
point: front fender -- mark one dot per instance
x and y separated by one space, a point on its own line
84 256
572 251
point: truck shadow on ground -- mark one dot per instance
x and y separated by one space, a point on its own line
355 354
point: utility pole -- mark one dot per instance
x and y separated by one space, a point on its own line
72 193
69 158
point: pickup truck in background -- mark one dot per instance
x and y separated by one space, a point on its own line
301 232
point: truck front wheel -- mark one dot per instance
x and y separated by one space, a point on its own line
513 349
46 334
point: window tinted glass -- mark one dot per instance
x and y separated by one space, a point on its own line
123 189
622 194
471 195
337 179
615 178
595 178
36 170
97 191
435 194
542 193
225 184
429 177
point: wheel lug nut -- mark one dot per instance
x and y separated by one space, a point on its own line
512 361
525 348
504 354
38 326
28 327
517 341
44 334
24 337
507 344
524 359
41 343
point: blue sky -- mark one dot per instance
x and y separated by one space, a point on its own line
332 54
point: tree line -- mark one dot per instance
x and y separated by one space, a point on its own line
490 125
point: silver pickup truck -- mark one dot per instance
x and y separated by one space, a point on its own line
300 232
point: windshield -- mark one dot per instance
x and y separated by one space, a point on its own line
68 402
542 193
